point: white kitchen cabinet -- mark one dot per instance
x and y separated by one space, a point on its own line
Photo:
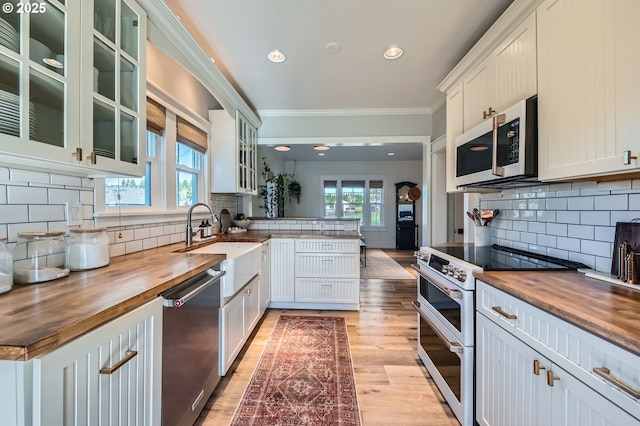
589 91
233 154
232 331
512 334
455 127
312 273
507 75
47 75
113 87
238 318
479 93
265 277
111 375
282 270
517 385
252 305
507 390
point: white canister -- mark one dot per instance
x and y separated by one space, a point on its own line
88 248
6 267
482 236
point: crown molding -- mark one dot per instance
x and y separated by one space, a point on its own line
504 25
343 140
199 64
343 112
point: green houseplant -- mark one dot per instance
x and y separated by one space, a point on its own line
275 189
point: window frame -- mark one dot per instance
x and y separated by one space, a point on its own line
366 203
163 176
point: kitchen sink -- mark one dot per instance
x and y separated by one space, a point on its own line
243 262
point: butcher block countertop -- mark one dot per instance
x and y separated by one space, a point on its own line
607 310
38 318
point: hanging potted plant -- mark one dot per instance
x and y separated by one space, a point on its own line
295 191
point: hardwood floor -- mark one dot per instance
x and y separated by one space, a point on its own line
393 386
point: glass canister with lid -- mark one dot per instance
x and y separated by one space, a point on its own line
6 267
39 257
88 248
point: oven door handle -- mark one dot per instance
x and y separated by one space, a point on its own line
454 294
452 346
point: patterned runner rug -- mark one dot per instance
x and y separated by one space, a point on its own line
304 377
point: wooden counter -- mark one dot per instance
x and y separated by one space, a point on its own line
38 318
607 310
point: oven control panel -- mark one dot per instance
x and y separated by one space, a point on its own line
450 269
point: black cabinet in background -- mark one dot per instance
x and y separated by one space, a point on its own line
406 229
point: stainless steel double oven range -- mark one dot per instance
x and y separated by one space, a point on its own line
446 308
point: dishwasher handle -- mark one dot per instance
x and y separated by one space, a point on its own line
184 298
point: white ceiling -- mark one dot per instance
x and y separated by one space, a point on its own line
435 35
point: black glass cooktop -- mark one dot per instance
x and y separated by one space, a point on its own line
501 258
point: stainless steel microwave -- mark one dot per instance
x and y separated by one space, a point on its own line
502 151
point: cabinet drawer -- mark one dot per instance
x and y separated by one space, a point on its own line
327 290
327 265
327 246
572 348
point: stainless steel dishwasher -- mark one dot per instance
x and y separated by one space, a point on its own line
190 347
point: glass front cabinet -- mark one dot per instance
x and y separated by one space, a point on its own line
72 81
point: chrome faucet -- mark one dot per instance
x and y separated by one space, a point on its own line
190 233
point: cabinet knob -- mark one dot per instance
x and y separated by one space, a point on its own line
537 367
627 157
551 378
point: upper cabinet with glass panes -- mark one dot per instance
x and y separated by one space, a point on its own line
234 158
47 72
113 85
39 79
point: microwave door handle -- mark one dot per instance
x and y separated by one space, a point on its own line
497 121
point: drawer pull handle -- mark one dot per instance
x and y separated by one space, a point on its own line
128 356
627 157
551 378
501 311
327 260
537 367
605 373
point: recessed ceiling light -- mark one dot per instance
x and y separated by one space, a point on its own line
393 52
391 153
479 148
282 148
321 148
321 154
332 47
276 56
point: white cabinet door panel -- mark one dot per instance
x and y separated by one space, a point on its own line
479 93
455 127
282 269
327 265
326 290
588 87
232 331
327 246
508 391
69 387
516 72
576 404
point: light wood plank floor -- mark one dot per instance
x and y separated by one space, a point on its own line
393 386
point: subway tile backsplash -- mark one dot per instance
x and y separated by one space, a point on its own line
573 221
35 201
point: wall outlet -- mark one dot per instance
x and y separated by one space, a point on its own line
73 212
